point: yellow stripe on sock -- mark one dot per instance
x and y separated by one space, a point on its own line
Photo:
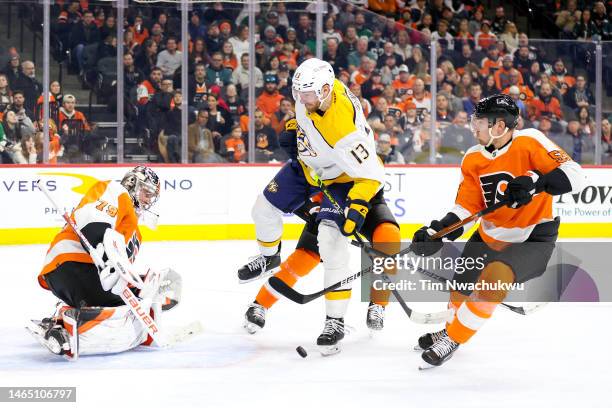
338 295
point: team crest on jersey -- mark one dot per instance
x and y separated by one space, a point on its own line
272 186
132 247
303 144
493 186
559 156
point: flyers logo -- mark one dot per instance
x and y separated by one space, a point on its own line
493 186
303 144
559 156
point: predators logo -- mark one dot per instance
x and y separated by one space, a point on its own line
272 187
303 144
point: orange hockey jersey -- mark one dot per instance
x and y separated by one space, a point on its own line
485 175
106 205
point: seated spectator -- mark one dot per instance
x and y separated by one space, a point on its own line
19 108
567 18
195 27
586 122
171 127
84 33
586 28
6 96
411 120
402 45
354 58
197 89
389 52
492 62
349 42
55 147
280 117
14 130
146 57
457 136
240 77
376 43
503 75
475 94
526 94
234 146
219 121
560 78
108 27
519 98
140 32
216 73
27 83
443 114
581 145
240 41
523 60
133 76
580 95
485 38
235 105
12 71
201 147
373 87
366 107
75 131
377 116
269 100
198 54
362 74
107 48
55 102
213 39
229 58
490 88
304 30
386 152
149 87
545 105
443 37
510 37
421 97
169 60
332 55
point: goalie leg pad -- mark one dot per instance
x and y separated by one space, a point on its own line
104 330
334 250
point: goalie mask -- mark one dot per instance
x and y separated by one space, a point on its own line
143 186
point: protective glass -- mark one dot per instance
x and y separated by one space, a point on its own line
146 194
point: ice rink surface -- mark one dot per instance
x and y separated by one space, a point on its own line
560 356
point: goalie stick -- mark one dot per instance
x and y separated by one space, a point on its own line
128 297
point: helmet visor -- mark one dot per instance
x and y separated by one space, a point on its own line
478 124
305 96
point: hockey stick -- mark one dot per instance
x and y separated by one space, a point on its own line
418 317
293 295
126 294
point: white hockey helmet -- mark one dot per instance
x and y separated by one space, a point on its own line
143 185
309 79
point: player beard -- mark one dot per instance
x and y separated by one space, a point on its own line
312 107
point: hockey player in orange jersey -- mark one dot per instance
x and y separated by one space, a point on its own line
524 168
91 309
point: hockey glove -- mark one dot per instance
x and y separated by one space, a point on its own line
288 139
423 244
354 215
521 189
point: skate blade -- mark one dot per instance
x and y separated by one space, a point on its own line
251 328
426 366
261 276
38 333
329 350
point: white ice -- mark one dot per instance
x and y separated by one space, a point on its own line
558 357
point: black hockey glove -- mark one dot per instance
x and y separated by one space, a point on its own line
521 189
288 139
423 244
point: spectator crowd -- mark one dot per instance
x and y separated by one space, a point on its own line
380 49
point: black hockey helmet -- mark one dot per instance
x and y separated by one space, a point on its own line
498 106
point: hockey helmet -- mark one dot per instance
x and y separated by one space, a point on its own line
143 185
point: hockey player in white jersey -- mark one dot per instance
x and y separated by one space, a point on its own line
336 146
91 318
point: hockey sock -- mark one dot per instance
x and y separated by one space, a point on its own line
297 265
478 308
386 238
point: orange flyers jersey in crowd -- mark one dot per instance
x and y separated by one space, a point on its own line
485 175
106 205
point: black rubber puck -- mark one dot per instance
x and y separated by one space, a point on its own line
300 350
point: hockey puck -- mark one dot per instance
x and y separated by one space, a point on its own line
301 351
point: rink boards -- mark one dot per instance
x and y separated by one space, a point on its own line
213 202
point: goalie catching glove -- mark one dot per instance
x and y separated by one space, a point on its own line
354 214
